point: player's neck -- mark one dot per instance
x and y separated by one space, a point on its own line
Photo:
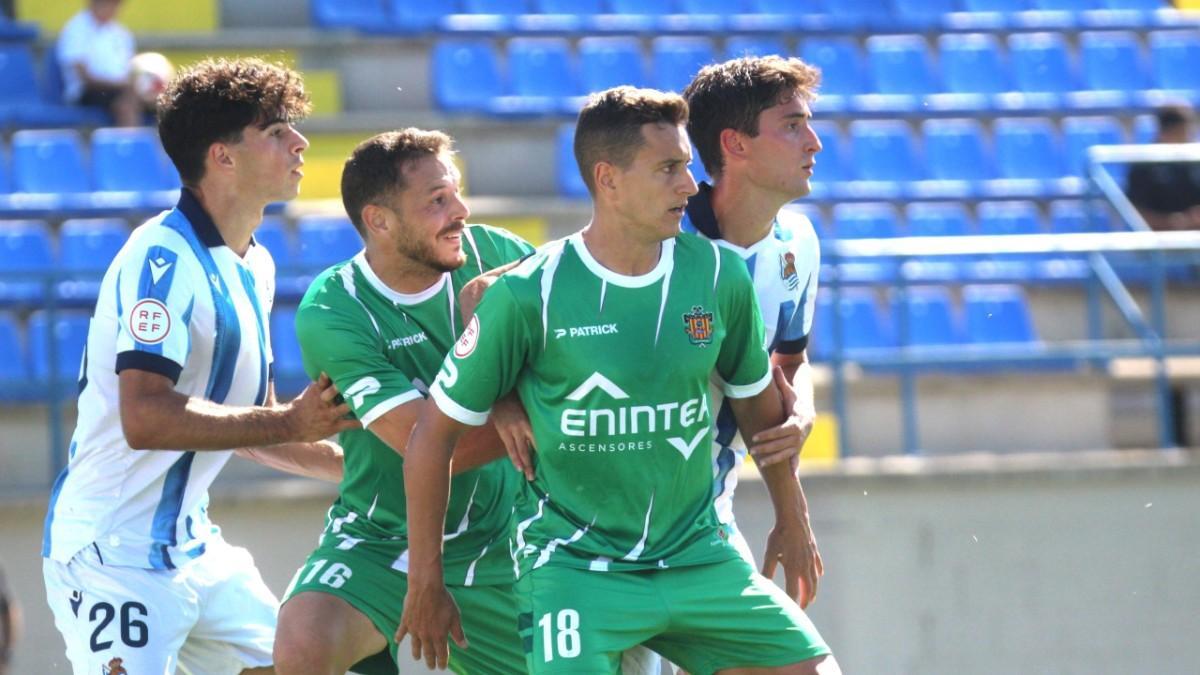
399 273
236 218
613 247
745 213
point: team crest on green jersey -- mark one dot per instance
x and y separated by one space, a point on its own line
698 326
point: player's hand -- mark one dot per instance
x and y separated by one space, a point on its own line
783 442
429 615
316 414
794 546
512 425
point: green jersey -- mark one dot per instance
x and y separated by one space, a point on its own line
614 372
381 348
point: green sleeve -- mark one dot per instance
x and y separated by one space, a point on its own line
487 359
498 246
743 363
345 344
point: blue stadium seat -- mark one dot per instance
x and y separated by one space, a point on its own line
86 246
1042 65
132 159
931 317
418 16
274 234
842 69
997 314
1113 64
884 151
1028 149
541 75
5 173
1017 217
364 15
1138 5
922 14
972 64
20 82
325 240
936 219
25 248
1081 133
1071 217
606 62
466 75
290 377
570 183
737 46
49 161
901 65
678 59
995 5
831 166
955 150
484 16
1175 55
859 14
69 335
14 367
866 220
864 325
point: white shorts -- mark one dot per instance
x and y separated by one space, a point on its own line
640 660
212 616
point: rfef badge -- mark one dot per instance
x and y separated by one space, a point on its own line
698 326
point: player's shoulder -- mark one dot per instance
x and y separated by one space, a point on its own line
495 246
156 238
793 223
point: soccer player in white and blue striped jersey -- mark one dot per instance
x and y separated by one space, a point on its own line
750 124
176 377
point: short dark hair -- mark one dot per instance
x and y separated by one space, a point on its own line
375 169
216 99
1171 117
610 125
731 95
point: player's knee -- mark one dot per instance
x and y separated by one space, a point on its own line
301 652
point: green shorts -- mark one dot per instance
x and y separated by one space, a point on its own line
364 577
703 618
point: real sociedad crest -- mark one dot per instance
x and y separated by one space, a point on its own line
787 270
698 326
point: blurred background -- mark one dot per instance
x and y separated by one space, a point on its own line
1003 477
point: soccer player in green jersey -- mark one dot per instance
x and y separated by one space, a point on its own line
610 338
380 325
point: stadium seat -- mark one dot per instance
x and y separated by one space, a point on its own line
484 16
1027 149
901 65
1081 133
884 150
25 249
14 367
49 161
70 337
678 59
688 16
21 101
997 314
325 240
418 16
936 219
606 62
86 246
867 220
1070 217
273 233
972 64
541 75
955 150
931 317
5 172
921 14
737 46
288 367
466 75
364 15
1175 55
1016 217
994 5
1113 68
859 14
570 183
842 71
863 323
831 163
1042 66
132 159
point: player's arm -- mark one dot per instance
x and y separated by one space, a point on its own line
785 441
156 417
322 459
476 447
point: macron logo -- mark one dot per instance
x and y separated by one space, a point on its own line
597 381
158 268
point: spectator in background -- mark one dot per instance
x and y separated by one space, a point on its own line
10 621
1167 194
95 51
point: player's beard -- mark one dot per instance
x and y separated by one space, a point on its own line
422 252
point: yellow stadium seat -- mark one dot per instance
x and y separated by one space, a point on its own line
139 16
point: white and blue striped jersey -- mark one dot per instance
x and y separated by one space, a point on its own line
175 301
784 266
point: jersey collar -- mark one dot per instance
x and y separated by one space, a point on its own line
700 212
666 263
201 222
408 299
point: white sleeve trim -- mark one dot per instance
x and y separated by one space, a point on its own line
747 390
454 410
387 406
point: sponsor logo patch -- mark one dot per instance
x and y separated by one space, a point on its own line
470 337
698 326
149 321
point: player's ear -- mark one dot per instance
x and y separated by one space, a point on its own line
374 219
220 156
604 176
733 143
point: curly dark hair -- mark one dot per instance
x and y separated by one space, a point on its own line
610 125
731 95
375 170
216 99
